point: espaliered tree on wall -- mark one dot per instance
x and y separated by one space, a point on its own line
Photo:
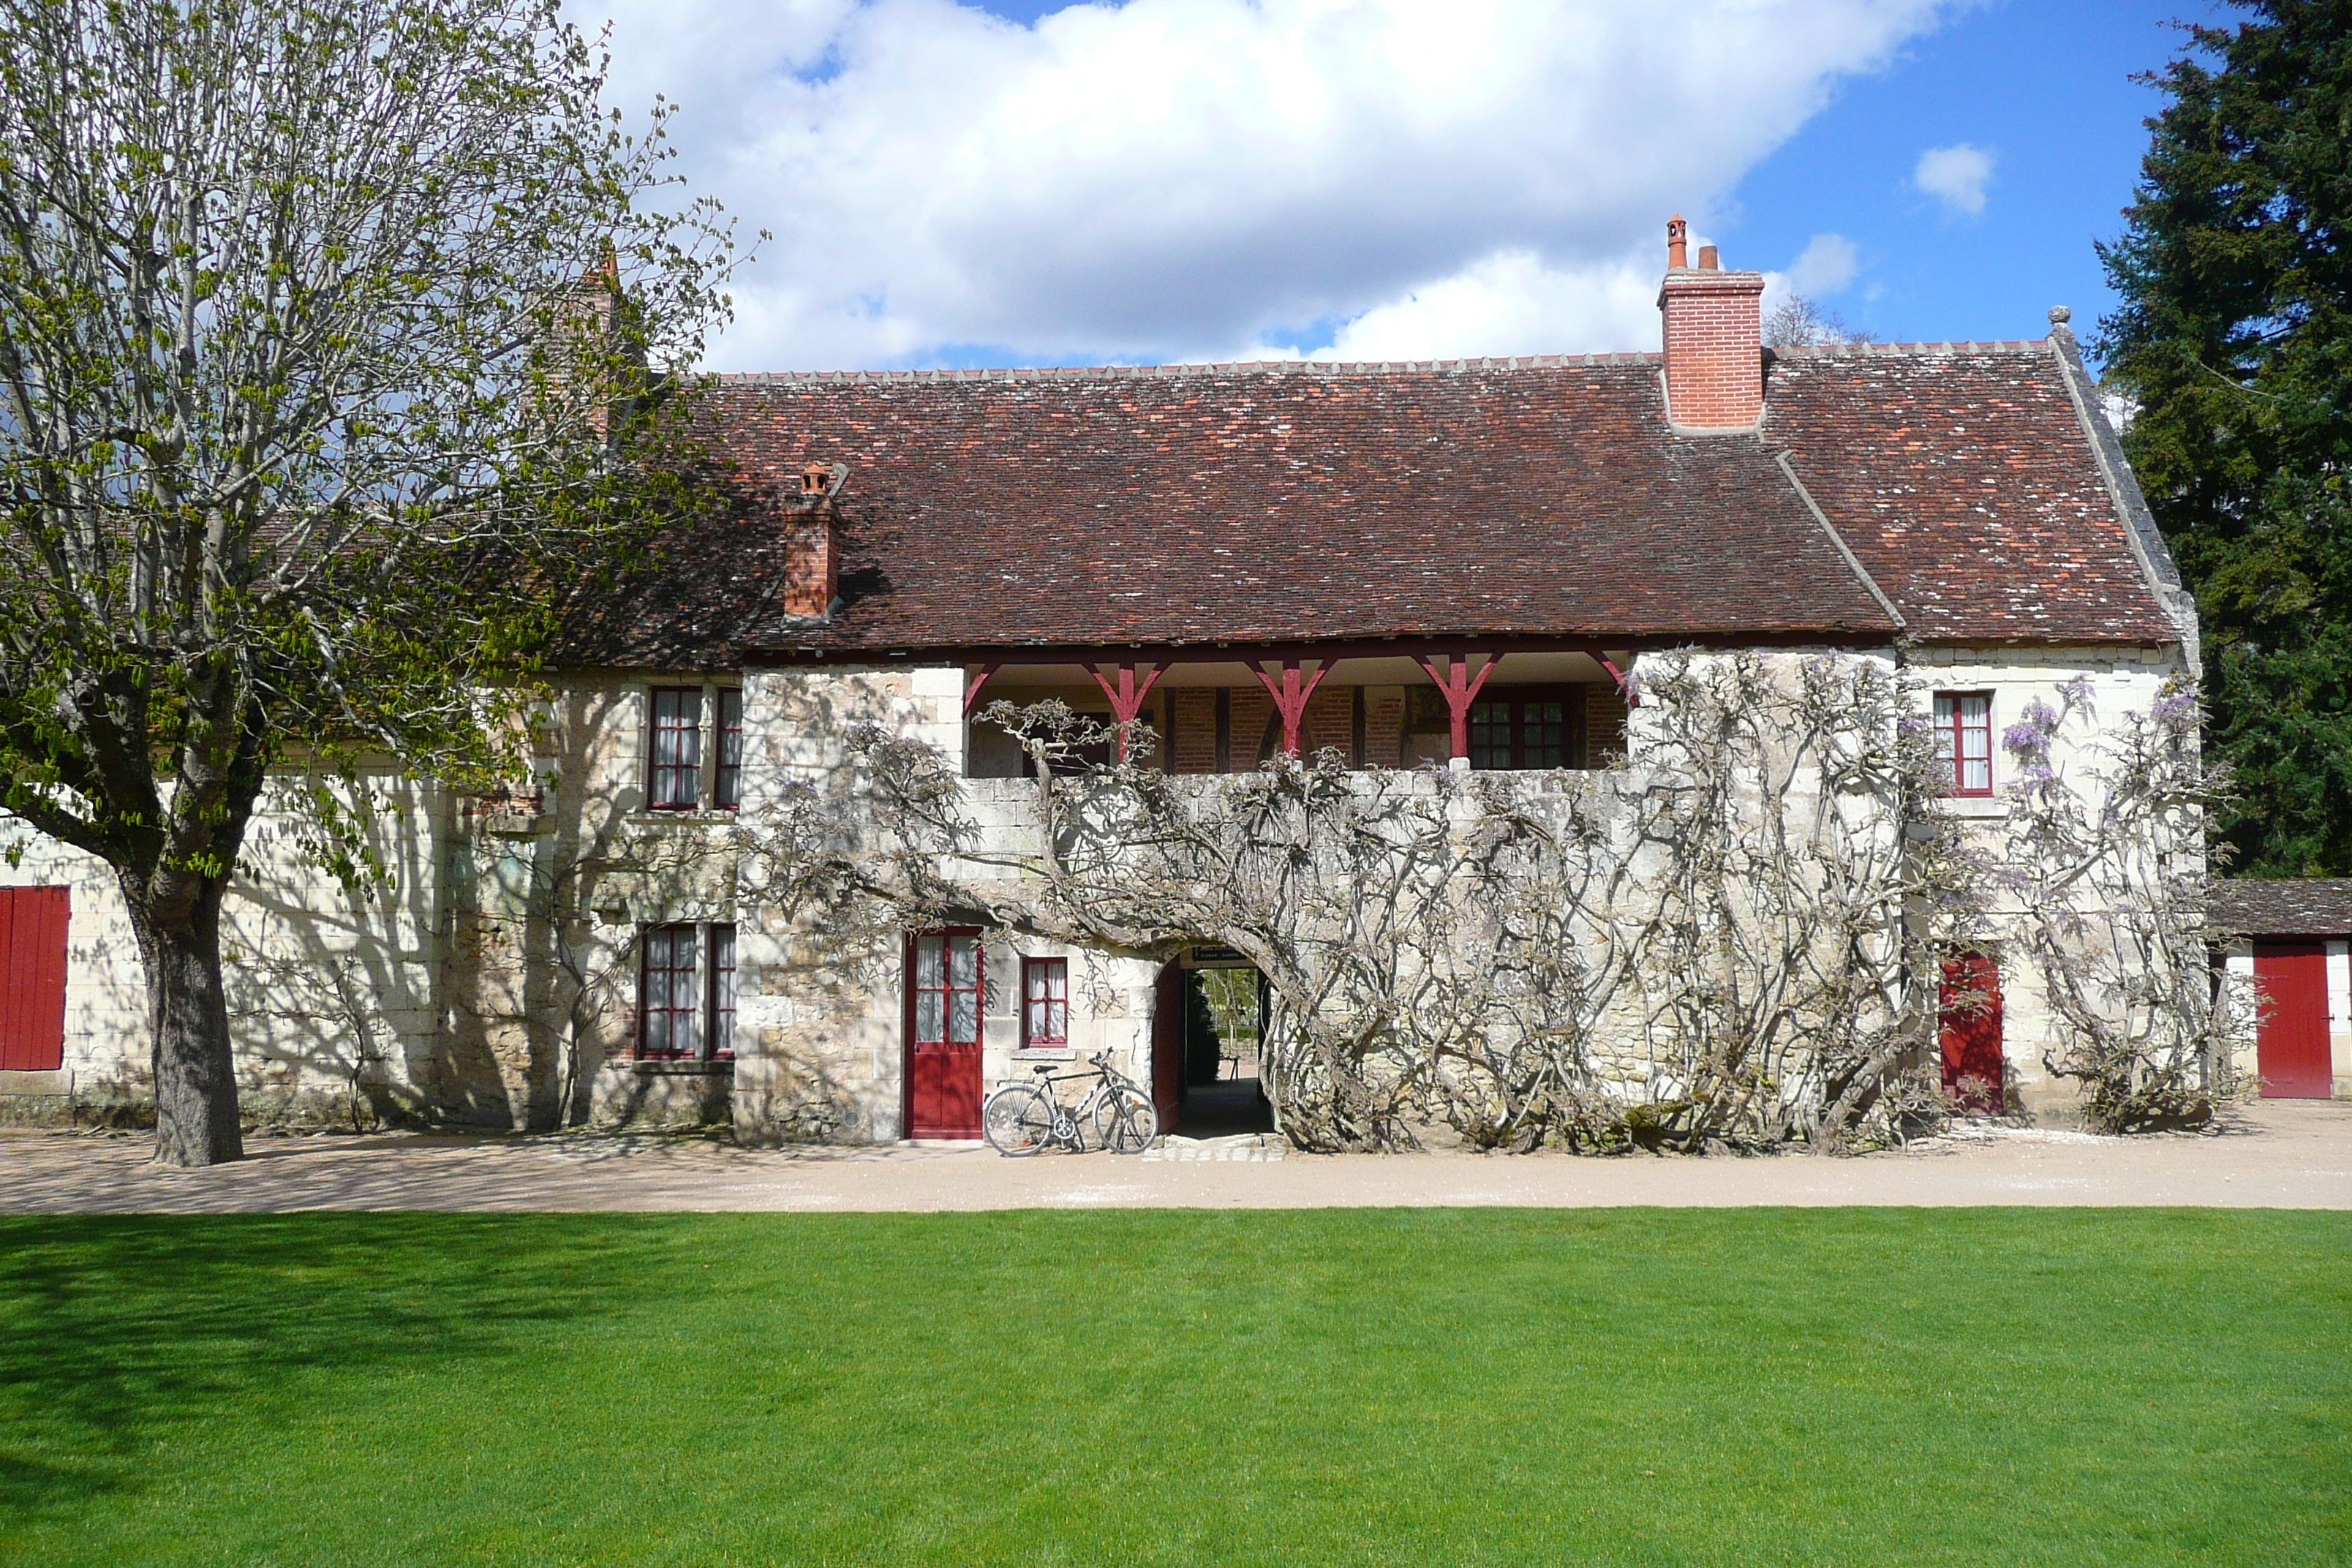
309 423
2109 876
1733 942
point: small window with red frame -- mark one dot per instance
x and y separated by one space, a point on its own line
669 1000
722 994
675 783
1964 740
1046 1003
727 780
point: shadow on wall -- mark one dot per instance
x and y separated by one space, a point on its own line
457 987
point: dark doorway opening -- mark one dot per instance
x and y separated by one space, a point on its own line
1224 1020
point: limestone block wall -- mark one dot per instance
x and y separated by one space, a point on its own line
334 993
552 897
2123 681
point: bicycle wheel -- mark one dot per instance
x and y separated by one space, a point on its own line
1126 1121
1018 1119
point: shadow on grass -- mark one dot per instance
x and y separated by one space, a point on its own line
118 1327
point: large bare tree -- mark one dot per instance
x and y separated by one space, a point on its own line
324 333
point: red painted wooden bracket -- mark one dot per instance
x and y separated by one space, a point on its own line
974 681
1624 685
1290 697
1460 689
1126 697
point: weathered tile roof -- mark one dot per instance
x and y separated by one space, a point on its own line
2309 906
1966 482
1530 498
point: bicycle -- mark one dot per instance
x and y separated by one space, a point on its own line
1022 1118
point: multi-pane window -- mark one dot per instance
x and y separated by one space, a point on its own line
722 992
1964 737
1046 1003
727 780
670 998
675 777
947 988
686 994
1525 729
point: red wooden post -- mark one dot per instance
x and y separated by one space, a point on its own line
1460 689
973 681
1289 697
1126 697
1625 686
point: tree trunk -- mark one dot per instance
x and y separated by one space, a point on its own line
195 1076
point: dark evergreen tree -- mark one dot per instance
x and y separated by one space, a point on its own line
2235 340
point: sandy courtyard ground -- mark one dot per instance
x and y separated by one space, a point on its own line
2280 1154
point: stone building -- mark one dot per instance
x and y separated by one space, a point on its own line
1463 565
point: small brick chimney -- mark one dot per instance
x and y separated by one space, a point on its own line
812 552
1714 330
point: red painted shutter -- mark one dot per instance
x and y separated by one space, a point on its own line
2292 1043
33 978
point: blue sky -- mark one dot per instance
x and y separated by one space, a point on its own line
2047 88
1214 179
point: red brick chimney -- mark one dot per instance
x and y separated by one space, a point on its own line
1714 338
812 552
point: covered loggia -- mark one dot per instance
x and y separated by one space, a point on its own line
1208 1029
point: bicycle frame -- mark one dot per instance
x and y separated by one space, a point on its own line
1069 1126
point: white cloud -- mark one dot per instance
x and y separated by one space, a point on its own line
1826 267
1511 304
1196 178
1956 176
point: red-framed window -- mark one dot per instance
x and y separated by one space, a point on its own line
1046 1003
722 993
1963 738
686 995
1527 727
947 988
727 778
674 778
669 1001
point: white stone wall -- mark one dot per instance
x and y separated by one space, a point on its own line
495 980
332 991
2123 681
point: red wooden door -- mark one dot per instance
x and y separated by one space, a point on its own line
1970 1034
943 986
2292 1043
33 978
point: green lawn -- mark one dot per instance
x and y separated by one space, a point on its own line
1449 1386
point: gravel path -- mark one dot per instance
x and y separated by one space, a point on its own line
2280 1154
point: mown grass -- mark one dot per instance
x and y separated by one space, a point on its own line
1332 1386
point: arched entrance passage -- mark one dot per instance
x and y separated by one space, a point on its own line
1207 1030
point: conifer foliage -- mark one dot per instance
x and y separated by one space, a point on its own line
2235 342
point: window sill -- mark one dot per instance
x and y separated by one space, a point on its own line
647 817
1976 807
682 1067
1045 1054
